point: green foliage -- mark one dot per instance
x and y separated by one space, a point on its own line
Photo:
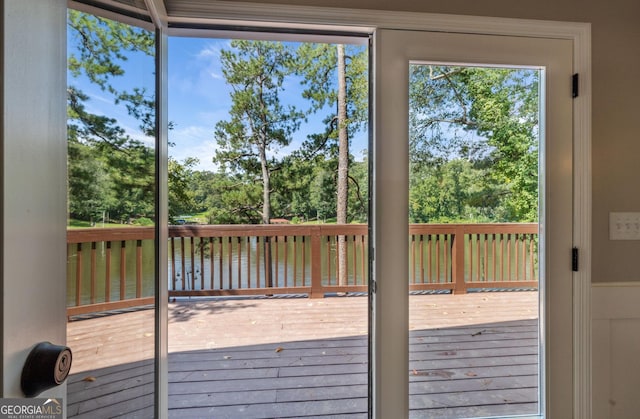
453 192
473 144
290 189
259 123
473 137
317 64
101 50
204 187
506 108
89 184
236 200
486 117
109 171
181 193
359 191
73 223
143 221
322 191
336 78
102 45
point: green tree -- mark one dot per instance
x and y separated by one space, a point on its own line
291 187
452 192
234 199
88 183
180 185
122 181
127 163
322 191
101 49
489 118
336 79
506 108
202 188
359 192
259 123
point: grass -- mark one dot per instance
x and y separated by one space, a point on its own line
86 224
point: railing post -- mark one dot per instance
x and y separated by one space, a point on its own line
93 273
139 269
107 273
268 267
457 261
79 274
316 260
123 269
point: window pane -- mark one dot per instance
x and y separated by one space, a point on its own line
268 259
112 211
473 203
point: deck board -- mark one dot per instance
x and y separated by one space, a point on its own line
471 355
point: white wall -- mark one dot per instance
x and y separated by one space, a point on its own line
616 350
33 179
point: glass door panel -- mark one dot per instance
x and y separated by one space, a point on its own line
473 249
475 145
268 252
112 211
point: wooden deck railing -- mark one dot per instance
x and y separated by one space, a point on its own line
109 268
113 268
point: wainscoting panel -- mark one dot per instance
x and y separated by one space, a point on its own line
616 350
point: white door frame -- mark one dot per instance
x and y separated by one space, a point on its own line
394 51
366 21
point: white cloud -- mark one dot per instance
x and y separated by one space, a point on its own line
191 134
215 76
211 49
137 134
194 141
209 59
100 98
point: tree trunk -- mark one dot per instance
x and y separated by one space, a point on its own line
266 217
343 164
266 186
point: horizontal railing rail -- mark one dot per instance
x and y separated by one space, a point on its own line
113 268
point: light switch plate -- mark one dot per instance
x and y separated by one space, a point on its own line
624 225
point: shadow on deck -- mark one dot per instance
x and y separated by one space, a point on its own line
456 370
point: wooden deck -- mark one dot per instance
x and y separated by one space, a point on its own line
472 355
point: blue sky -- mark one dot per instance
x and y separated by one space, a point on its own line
139 72
198 98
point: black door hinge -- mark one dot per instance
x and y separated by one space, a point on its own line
575 82
574 259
